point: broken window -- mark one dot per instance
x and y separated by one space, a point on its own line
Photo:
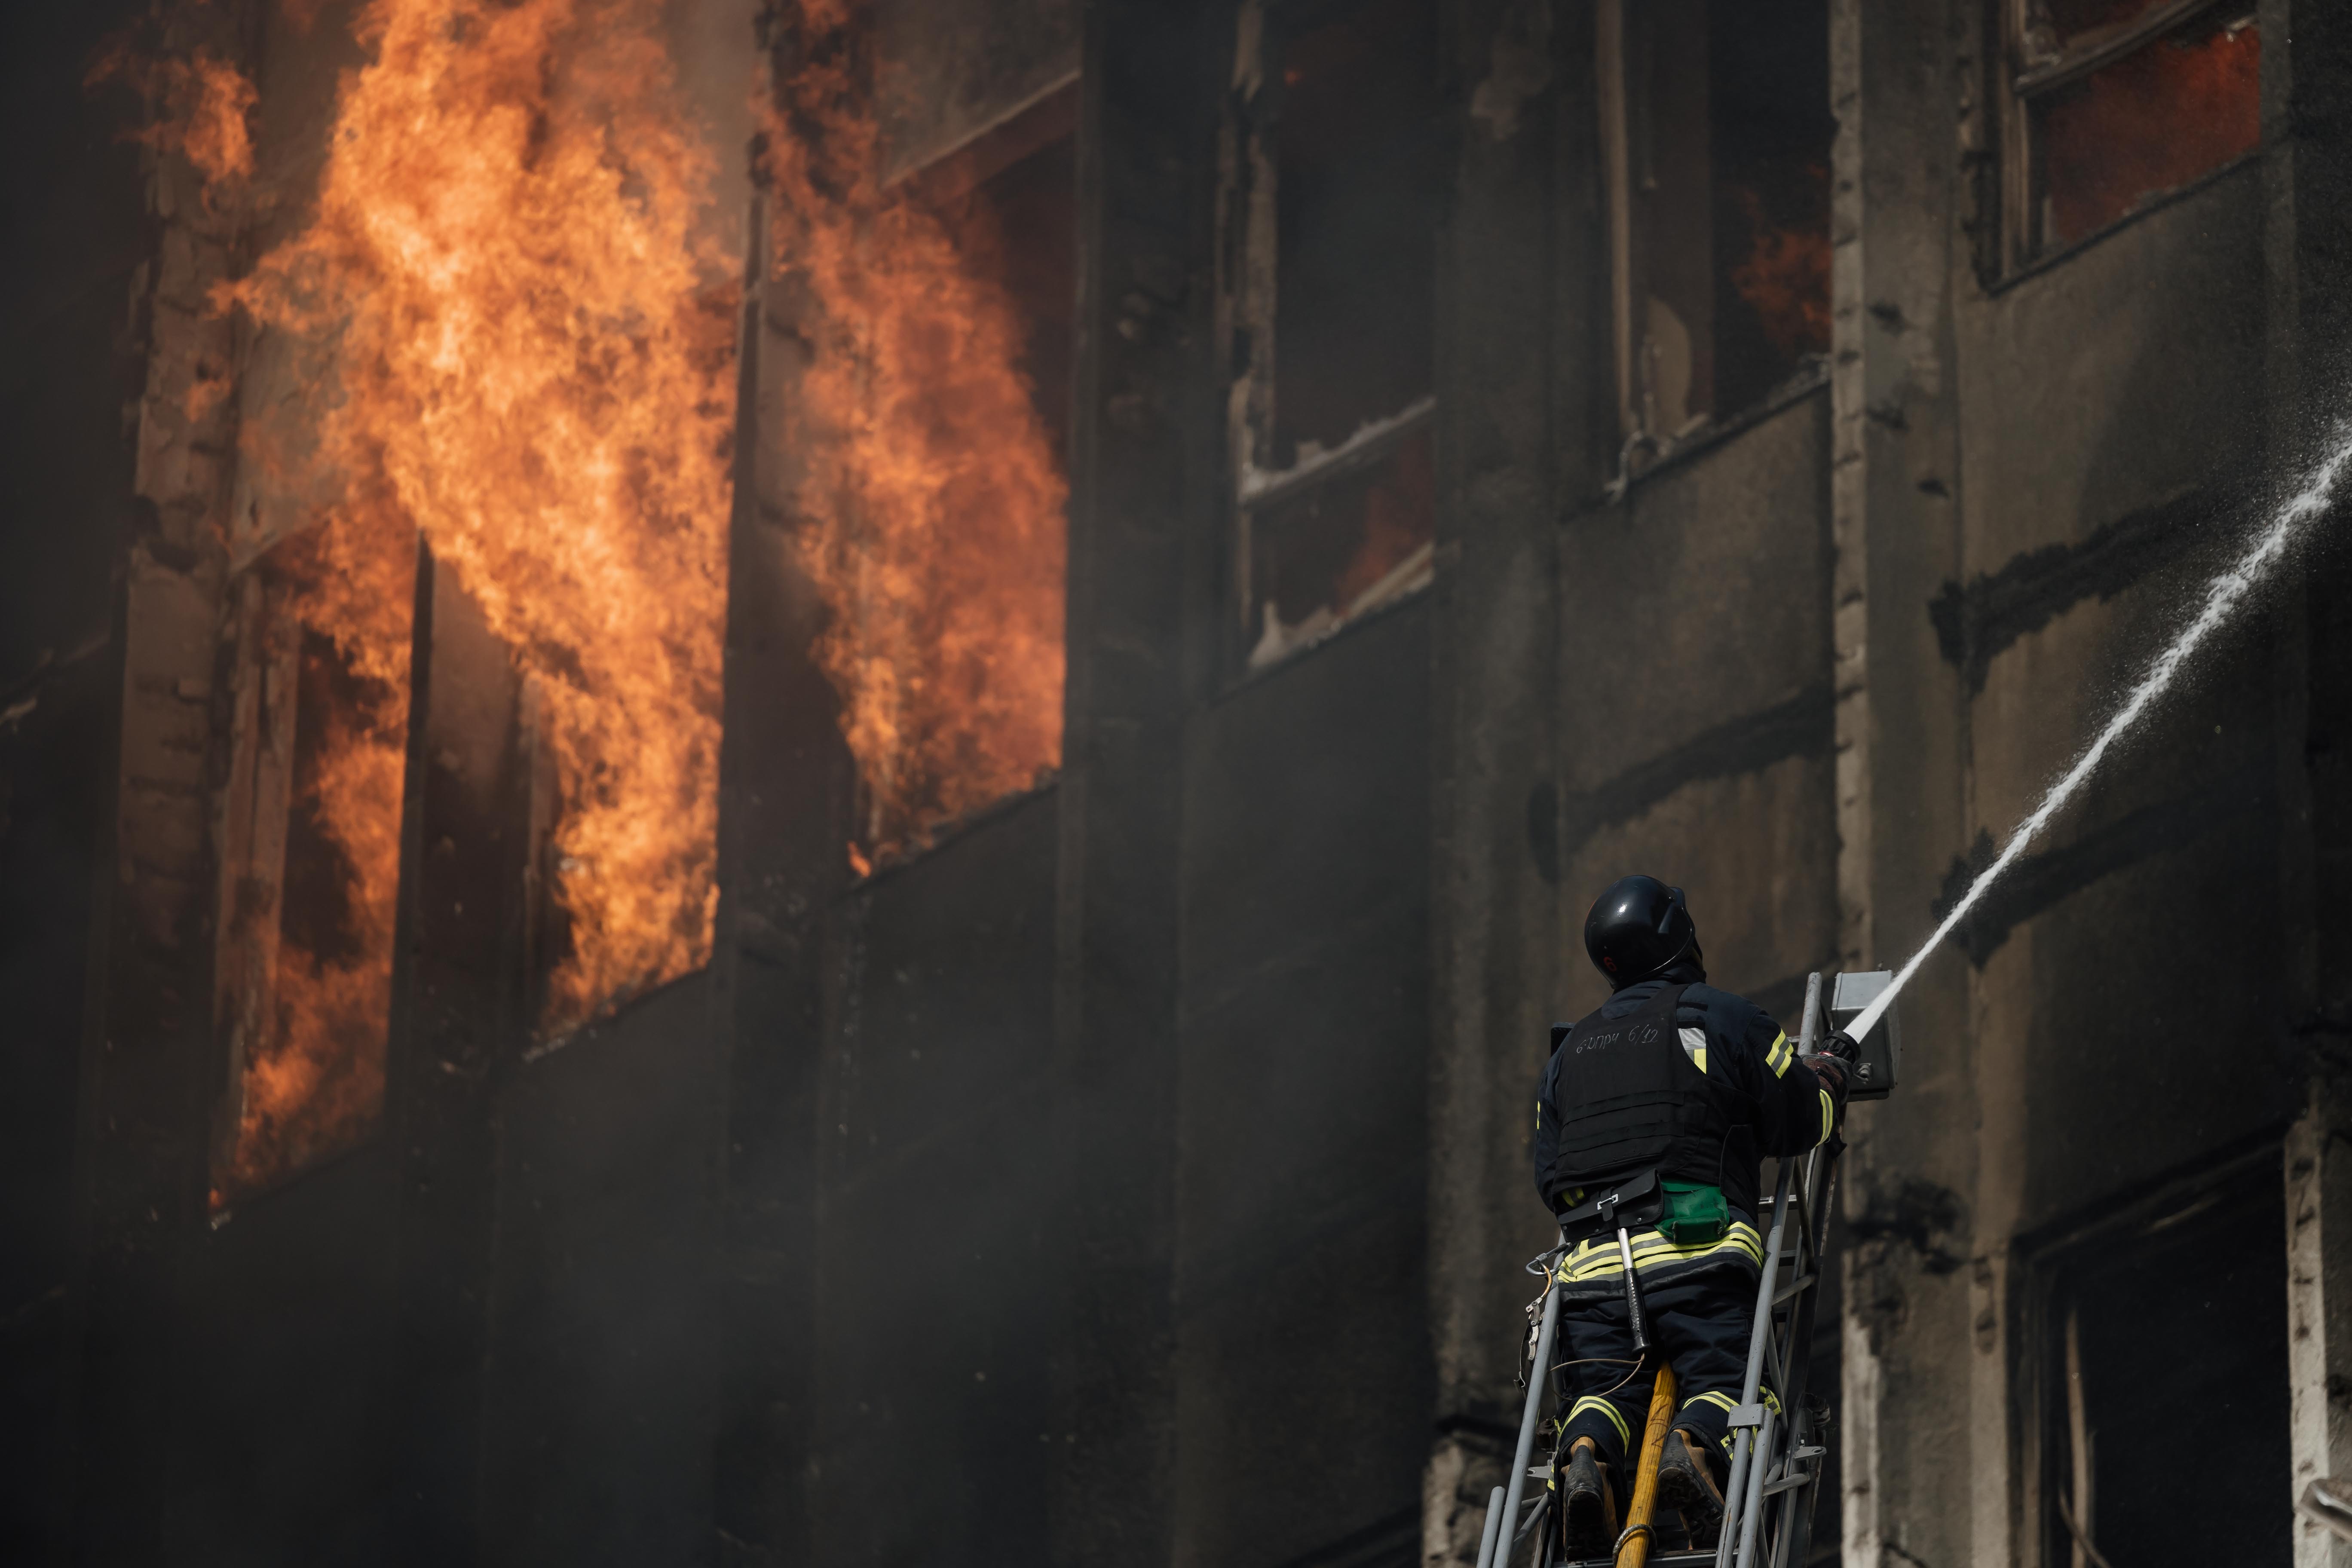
2116 103
925 429
1716 132
2163 1345
1010 199
310 851
1336 305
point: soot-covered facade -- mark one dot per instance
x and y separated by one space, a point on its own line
1508 443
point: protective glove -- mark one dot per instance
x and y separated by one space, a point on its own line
1834 1062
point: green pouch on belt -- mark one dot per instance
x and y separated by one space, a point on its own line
1695 1215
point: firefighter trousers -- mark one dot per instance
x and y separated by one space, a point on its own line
1700 1320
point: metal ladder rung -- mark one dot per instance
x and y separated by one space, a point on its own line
1794 1289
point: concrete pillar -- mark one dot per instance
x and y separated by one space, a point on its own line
461 1001
787 787
149 1067
1523 434
1145 517
1898 71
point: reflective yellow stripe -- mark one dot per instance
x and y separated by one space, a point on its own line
1598 1259
1829 1117
1780 1055
1721 1401
1595 1401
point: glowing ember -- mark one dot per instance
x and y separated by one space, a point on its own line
930 513
527 353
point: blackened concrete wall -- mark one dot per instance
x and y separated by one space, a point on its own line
941 1197
1303 1385
2036 473
75 212
603 1383
282 1430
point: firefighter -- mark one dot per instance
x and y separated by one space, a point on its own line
1696 1085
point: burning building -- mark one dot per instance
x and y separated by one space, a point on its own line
805 782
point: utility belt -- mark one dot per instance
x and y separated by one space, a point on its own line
1644 1202
1688 1214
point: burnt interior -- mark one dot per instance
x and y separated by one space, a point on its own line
315 907
1356 172
1728 148
1355 180
1017 221
2174 1379
1769 134
2174 108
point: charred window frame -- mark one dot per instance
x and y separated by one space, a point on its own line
1329 261
307 823
1716 133
2107 108
2153 1359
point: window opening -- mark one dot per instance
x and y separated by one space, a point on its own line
2116 103
925 431
2163 1341
312 862
1336 498
1717 148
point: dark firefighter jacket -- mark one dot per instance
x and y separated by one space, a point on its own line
1768 1103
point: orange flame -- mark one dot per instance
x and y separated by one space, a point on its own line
196 107
1785 276
931 505
315 1083
533 363
525 347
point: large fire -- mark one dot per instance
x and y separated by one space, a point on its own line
931 510
527 353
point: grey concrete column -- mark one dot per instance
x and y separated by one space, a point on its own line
150 1064
1145 524
1898 74
1522 432
460 1016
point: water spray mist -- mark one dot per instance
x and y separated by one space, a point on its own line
2222 597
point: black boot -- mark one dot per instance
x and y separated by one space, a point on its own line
1688 1486
1588 1509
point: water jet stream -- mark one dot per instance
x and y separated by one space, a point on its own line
2222 597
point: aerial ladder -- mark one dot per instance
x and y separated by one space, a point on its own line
1780 1427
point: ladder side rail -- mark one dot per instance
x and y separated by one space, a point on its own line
1796 1502
1793 1534
1750 1448
1744 1443
1539 1388
1752 1508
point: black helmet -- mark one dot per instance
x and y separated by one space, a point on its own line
1638 928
